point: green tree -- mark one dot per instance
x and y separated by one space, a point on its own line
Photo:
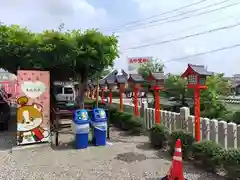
211 104
66 54
176 86
151 66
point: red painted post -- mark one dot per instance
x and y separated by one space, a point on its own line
102 96
157 106
121 99
136 112
197 113
110 96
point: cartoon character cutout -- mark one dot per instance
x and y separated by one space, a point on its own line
29 120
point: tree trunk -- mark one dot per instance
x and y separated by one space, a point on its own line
81 92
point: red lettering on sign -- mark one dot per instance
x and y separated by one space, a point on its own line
140 60
135 60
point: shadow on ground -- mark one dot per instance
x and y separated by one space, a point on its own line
130 157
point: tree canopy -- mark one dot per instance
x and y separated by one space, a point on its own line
151 66
72 54
65 54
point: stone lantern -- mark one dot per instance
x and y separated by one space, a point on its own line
196 78
156 84
111 85
121 81
135 81
103 87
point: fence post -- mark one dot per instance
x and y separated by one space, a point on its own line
231 135
214 130
191 125
143 113
205 131
238 136
184 114
222 133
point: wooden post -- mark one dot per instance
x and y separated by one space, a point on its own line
136 112
157 106
121 98
102 97
110 96
197 113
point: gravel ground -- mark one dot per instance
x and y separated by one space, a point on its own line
126 158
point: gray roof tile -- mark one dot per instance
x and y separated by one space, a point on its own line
121 79
200 69
136 77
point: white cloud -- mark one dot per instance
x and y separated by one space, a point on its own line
45 14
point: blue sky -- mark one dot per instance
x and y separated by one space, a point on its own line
38 15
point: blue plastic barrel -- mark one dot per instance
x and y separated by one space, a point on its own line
99 123
80 127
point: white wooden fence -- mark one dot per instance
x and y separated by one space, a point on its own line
226 134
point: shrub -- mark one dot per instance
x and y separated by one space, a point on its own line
111 110
125 121
136 125
158 136
236 117
115 119
231 163
207 154
187 141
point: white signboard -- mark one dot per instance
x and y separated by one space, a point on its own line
135 62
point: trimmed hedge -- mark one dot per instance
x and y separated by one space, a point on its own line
159 136
231 163
207 155
126 121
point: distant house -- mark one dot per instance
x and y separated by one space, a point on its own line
235 83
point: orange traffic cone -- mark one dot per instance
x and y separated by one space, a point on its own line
176 169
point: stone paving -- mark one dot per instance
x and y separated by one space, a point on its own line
125 158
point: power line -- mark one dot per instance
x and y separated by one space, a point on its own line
184 37
150 24
189 28
203 53
161 14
